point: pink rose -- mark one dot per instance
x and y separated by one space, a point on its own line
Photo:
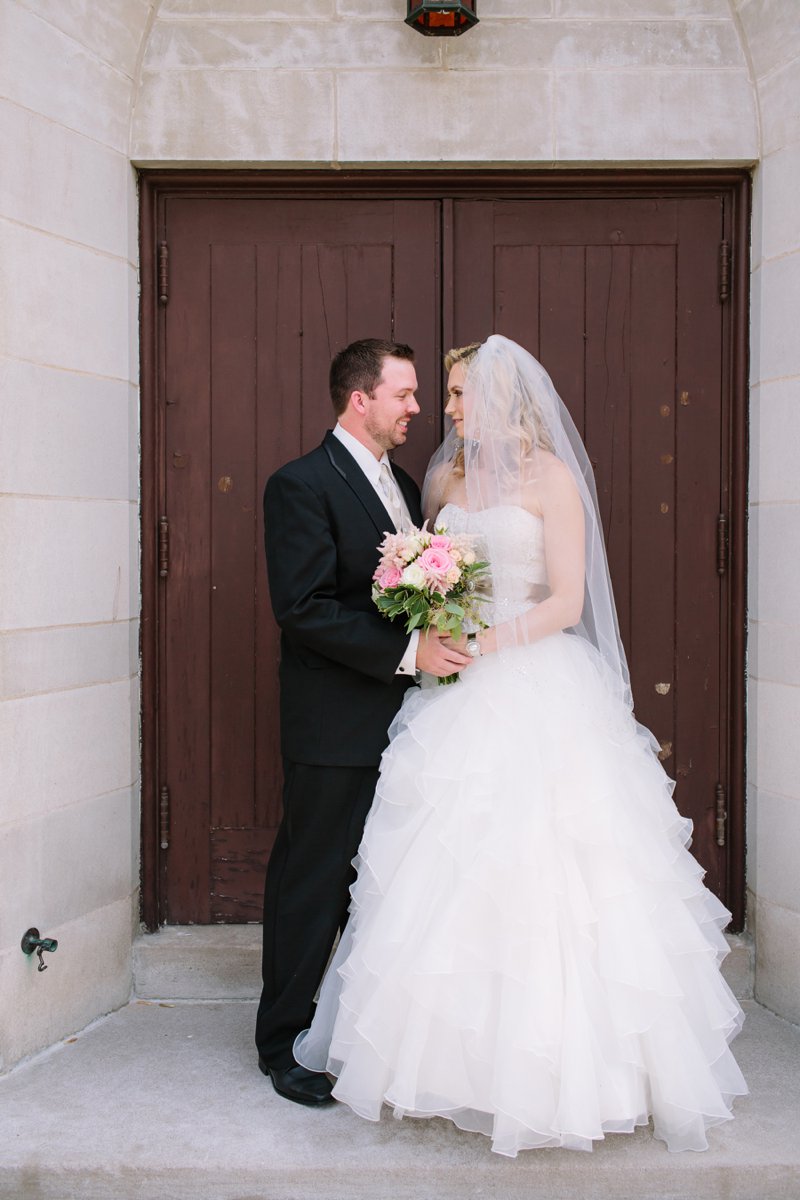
435 562
440 541
389 578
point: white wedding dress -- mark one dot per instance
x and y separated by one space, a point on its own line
531 951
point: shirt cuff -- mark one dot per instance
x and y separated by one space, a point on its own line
408 663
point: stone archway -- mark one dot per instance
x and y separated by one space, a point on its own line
89 91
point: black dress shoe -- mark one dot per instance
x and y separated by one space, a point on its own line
298 1084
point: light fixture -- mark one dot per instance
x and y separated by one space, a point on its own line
442 18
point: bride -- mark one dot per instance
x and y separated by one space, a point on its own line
531 951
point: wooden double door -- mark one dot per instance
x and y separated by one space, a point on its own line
622 299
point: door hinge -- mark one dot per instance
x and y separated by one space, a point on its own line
163 818
722 544
163 272
163 547
722 814
724 271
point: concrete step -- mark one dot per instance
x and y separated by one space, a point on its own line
164 1101
223 962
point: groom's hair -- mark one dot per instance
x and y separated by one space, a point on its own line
358 368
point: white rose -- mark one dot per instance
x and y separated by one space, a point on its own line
413 576
469 557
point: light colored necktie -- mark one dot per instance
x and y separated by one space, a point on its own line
393 503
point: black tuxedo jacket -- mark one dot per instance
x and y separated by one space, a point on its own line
339 691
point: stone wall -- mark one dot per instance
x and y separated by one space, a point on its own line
538 81
68 512
771 31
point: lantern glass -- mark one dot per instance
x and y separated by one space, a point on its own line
442 18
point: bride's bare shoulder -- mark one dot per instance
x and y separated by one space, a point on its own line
551 482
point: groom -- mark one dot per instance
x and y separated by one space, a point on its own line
343 673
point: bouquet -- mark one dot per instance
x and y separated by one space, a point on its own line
430 580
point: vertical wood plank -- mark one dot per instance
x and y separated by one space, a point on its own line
473 259
324 323
608 410
277 441
187 634
516 295
368 279
233 532
417 313
562 325
700 667
652 486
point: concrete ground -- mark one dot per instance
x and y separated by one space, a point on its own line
164 1100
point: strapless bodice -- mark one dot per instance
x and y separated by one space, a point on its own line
512 540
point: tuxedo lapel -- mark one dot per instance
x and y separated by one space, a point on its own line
343 462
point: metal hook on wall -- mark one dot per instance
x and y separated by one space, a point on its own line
32 941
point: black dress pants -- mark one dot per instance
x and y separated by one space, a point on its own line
306 894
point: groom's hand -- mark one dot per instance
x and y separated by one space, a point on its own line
438 655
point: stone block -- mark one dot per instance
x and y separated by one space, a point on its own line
89 975
66 434
640 9
211 962
65 747
773 763
131 220
165 1102
778 960
780 112
452 116
71 304
655 116
774 567
61 865
779 294
286 9
112 30
774 652
583 45
234 116
779 180
33 661
751 865
488 12
223 962
85 185
779 849
52 74
756 223
772 30
71 561
775 442
739 967
285 45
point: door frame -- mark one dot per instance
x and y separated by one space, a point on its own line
156 186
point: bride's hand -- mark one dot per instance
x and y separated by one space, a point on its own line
486 639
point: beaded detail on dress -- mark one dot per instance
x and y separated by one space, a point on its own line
513 541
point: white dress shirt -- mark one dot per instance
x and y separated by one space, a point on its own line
371 466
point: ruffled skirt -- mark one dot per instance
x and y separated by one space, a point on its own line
531 951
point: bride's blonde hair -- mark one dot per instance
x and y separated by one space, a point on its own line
464 355
528 424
